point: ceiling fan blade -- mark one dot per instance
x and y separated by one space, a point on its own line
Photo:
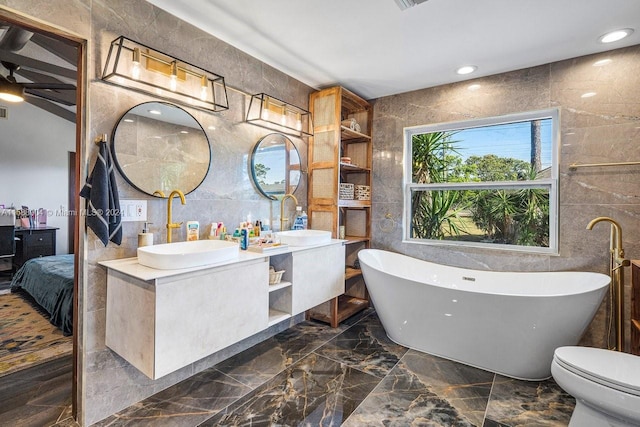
53 86
52 108
47 81
64 98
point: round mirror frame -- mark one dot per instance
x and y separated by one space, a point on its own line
287 142
154 163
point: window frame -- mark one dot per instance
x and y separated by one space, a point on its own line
551 183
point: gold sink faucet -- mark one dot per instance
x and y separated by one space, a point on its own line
171 225
282 218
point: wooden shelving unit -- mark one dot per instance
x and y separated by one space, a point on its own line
327 211
635 307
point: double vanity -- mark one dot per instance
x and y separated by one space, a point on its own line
160 320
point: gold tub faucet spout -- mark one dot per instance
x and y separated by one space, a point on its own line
171 225
282 218
615 241
616 271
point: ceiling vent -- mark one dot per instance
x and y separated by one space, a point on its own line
4 112
406 4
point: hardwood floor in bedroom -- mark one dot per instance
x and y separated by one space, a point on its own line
38 396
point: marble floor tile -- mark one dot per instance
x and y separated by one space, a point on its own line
529 403
426 390
187 403
316 391
365 346
263 361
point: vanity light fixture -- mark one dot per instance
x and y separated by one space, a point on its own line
614 36
140 68
272 113
466 69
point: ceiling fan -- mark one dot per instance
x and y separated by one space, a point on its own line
13 91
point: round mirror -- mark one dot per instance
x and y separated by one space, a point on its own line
275 166
159 146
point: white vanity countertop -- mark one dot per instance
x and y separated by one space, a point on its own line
131 267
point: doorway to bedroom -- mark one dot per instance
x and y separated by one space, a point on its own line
39 136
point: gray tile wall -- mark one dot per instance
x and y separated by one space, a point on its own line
603 128
107 382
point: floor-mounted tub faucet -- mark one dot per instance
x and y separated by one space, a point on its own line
617 262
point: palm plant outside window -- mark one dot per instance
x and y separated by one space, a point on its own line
488 182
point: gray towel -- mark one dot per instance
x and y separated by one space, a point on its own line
103 205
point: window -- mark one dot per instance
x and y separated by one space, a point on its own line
489 182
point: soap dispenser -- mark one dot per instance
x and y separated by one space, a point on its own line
145 238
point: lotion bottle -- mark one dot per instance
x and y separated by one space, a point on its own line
193 230
145 238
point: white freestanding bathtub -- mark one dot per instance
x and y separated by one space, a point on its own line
504 322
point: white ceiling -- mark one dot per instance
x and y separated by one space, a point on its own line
375 49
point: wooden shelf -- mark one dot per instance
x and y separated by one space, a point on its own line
354 203
350 273
347 307
349 135
351 168
634 320
356 239
332 141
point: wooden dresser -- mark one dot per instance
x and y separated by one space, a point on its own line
635 307
34 243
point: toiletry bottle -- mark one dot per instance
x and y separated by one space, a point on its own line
305 220
297 224
145 238
213 231
193 230
244 239
257 229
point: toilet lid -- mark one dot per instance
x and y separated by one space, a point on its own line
614 369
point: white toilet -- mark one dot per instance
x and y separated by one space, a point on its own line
605 383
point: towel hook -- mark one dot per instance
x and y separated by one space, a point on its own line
101 138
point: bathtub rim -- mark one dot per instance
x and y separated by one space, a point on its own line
605 279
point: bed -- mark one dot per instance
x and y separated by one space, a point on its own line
49 281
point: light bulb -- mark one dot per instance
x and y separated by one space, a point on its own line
298 122
173 82
135 64
203 88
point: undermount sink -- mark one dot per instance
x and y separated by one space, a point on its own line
169 256
304 237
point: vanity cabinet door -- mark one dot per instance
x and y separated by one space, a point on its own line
318 276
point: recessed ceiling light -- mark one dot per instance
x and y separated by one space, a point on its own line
614 36
155 111
128 120
467 69
184 131
474 87
602 62
588 95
